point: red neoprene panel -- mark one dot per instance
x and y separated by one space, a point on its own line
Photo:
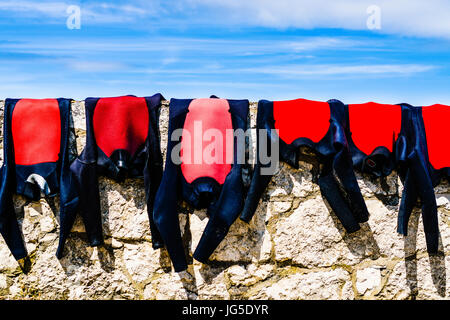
301 119
120 123
210 114
36 131
374 125
436 119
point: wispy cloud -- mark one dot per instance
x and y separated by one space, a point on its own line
30 8
176 45
336 69
91 11
96 66
404 17
191 56
308 71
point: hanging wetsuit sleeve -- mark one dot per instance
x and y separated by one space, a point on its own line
343 169
261 172
337 180
418 182
153 170
84 170
257 187
343 164
415 174
408 201
331 191
9 226
227 210
165 213
69 199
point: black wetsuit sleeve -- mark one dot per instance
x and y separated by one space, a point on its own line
69 199
339 185
260 179
415 173
258 185
337 180
165 213
153 170
84 170
9 226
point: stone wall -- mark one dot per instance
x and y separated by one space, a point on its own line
294 248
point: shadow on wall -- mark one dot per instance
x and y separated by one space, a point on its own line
365 236
105 253
436 261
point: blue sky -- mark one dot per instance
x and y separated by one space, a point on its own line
255 49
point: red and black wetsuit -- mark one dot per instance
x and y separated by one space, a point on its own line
38 145
122 140
409 139
215 184
320 126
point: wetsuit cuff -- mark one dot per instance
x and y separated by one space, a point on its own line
157 245
353 228
180 266
432 240
208 243
246 217
96 241
19 254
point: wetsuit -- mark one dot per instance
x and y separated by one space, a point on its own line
122 140
202 170
319 126
384 137
39 145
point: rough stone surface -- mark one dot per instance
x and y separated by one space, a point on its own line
294 248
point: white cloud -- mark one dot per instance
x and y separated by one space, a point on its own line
308 71
91 12
172 46
406 17
96 66
29 8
